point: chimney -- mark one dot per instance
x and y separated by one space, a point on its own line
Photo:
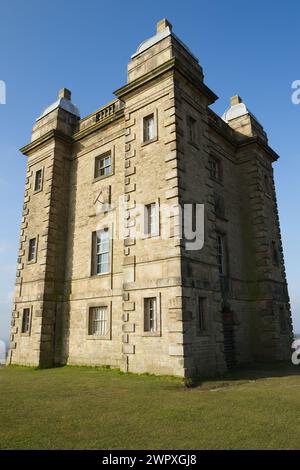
236 99
65 93
163 24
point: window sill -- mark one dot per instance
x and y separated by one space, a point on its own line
149 334
150 236
98 337
100 274
221 217
33 261
36 191
149 141
100 178
26 335
216 180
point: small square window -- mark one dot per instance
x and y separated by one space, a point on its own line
151 219
149 128
26 320
32 249
103 166
215 169
100 249
38 180
191 124
202 324
98 321
150 315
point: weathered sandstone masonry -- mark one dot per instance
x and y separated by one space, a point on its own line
148 303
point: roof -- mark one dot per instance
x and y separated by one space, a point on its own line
62 103
159 36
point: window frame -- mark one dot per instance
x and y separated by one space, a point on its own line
155 128
224 260
151 296
219 205
219 173
103 156
202 308
192 129
28 331
108 334
34 259
275 254
38 190
147 233
94 254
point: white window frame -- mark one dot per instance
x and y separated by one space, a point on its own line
97 166
28 331
145 220
34 258
98 251
40 188
153 298
103 334
151 219
154 137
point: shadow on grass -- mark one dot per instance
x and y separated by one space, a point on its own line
243 374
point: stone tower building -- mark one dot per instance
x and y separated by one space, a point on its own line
87 295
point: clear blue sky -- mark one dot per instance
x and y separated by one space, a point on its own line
249 48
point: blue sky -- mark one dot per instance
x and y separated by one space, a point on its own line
249 48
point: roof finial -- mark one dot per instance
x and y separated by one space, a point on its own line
236 99
65 93
163 24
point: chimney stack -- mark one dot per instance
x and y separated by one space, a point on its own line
163 24
65 93
236 99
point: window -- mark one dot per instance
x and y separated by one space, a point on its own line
150 314
32 249
215 169
148 128
221 247
267 185
101 245
282 320
275 255
38 180
98 321
202 325
191 124
219 205
26 320
103 166
151 222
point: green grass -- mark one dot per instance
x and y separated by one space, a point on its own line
94 408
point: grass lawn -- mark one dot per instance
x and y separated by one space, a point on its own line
95 408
